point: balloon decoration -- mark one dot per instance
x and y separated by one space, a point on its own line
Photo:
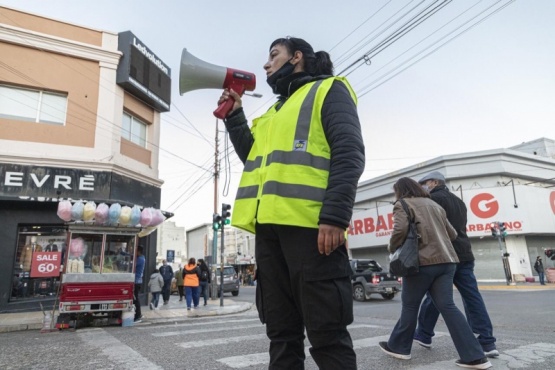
115 214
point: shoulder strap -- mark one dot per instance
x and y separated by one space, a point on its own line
406 208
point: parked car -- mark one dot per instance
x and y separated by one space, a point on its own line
231 281
370 278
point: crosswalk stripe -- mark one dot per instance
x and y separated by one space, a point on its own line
205 330
237 362
203 323
217 341
121 356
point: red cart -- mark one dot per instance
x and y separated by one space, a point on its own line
98 276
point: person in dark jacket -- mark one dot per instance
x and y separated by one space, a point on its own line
167 274
538 266
464 279
204 279
303 159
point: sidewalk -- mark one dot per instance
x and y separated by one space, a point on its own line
172 312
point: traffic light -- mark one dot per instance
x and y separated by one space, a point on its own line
502 229
225 213
216 219
493 227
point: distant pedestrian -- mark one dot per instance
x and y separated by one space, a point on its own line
438 260
204 279
139 271
155 286
191 274
179 282
538 266
167 274
464 278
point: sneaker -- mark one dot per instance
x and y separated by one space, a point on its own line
138 320
188 308
492 353
151 306
426 343
205 303
482 363
196 306
386 349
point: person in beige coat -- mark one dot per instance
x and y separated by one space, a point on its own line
438 261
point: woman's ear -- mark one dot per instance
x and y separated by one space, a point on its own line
298 61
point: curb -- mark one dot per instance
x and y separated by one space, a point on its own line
187 315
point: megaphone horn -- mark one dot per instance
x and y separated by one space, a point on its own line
196 74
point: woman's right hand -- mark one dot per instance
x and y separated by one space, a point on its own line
230 94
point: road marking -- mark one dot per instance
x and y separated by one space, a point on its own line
121 356
204 330
204 324
238 362
218 341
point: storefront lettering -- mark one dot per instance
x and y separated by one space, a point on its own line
510 225
484 205
85 182
369 225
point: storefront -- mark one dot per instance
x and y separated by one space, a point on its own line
31 229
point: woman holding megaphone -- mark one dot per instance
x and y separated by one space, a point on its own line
303 159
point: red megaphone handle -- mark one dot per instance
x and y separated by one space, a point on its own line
224 108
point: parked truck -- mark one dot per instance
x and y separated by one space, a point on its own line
370 278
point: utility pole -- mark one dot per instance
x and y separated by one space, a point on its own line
215 235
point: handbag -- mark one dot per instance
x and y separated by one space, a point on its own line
404 262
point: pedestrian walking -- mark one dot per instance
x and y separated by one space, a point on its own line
155 286
139 271
179 282
538 266
303 159
464 278
204 279
167 274
437 259
191 274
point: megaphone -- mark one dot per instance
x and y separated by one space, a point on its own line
196 74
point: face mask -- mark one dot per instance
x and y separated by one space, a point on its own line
284 71
426 188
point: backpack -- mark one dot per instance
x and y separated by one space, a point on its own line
204 275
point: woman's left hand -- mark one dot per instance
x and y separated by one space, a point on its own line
329 238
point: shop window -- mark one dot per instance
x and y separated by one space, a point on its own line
32 105
85 251
118 253
38 262
133 129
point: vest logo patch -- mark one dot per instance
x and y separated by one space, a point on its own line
299 146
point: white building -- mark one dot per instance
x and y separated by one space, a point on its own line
514 185
171 242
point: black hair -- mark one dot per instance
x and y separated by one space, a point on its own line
192 261
155 271
315 63
140 249
406 187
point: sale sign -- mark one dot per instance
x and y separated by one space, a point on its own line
45 264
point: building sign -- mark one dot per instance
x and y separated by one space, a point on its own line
527 210
142 73
170 255
45 264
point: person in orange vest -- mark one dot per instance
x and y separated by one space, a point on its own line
191 274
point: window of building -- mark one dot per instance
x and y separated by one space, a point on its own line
133 129
118 253
38 262
32 105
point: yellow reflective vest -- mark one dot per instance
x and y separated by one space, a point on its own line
286 173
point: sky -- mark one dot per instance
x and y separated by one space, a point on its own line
474 75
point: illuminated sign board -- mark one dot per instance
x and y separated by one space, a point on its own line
142 73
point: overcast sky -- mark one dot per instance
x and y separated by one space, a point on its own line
443 88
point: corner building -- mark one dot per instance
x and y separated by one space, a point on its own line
80 120
513 185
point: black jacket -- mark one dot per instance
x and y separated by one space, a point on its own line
342 130
456 214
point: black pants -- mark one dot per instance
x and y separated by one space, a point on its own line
180 290
166 290
136 301
298 288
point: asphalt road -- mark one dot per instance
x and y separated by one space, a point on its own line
524 324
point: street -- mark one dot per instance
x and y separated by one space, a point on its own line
524 325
